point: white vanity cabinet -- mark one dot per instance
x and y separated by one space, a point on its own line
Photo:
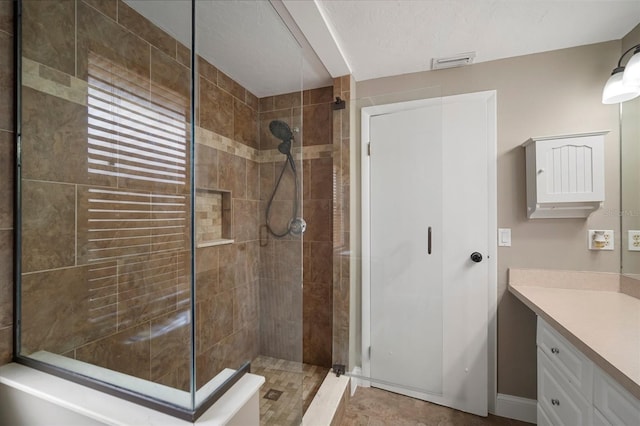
565 175
572 390
557 399
613 404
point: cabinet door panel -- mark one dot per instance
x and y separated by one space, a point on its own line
617 405
570 169
543 418
564 405
577 368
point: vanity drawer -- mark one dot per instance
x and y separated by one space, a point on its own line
617 406
576 367
561 402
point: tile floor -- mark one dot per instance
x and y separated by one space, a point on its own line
376 407
292 384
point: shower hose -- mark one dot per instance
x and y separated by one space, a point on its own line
288 163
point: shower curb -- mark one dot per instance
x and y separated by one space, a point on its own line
330 402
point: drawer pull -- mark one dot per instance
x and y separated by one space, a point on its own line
555 350
555 402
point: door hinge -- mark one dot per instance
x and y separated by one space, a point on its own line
369 352
369 148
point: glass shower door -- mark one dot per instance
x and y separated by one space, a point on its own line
149 174
105 195
248 289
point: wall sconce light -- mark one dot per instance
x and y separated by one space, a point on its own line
624 83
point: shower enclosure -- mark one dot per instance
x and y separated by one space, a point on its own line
161 189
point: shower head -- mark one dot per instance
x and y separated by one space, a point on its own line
281 130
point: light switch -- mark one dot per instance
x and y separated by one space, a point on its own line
504 237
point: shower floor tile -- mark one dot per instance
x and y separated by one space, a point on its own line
298 383
371 406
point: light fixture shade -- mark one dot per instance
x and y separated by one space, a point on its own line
631 75
615 91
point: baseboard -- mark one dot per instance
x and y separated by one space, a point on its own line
515 407
512 407
355 380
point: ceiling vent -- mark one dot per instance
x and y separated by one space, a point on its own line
453 61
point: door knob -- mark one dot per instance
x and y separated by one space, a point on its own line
476 257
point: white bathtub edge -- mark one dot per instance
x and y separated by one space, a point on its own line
111 410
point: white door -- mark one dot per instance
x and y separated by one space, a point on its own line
427 209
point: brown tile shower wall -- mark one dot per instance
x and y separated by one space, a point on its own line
128 310
317 241
341 230
280 329
120 305
227 276
6 180
280 258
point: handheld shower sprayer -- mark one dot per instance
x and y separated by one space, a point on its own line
296 225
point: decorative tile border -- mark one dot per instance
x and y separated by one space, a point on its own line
221 143
53 82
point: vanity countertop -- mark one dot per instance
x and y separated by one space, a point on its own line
593 315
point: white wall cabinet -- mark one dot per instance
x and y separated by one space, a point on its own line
572 390
565 175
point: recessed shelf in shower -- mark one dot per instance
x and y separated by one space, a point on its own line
213 217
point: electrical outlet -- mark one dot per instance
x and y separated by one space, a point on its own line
606 234
634 240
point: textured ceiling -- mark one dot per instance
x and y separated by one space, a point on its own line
247 39
383 38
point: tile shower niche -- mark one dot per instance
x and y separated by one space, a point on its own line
213 217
